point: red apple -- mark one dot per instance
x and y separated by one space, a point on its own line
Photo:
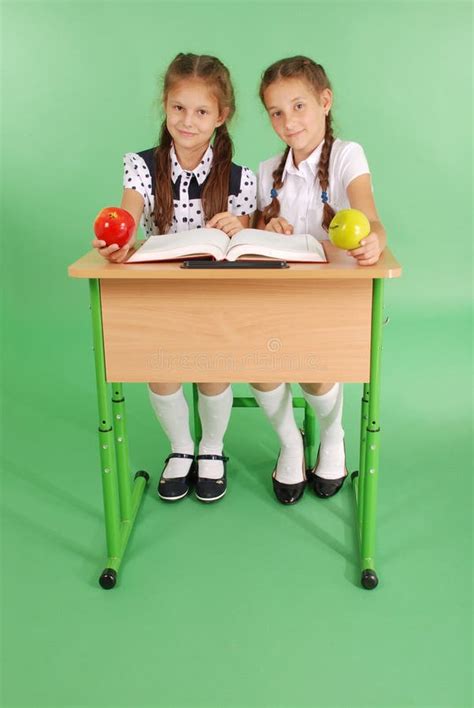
114 225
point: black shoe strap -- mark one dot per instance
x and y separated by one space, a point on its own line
213 457
182 455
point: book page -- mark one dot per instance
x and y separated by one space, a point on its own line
203 241
298 247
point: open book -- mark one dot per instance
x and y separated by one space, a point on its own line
202 243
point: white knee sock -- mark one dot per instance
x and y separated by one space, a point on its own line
214 412
173 413
278 406
328 409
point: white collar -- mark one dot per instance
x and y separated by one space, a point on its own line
312 161
200 172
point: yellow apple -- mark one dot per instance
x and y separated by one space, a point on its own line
347 228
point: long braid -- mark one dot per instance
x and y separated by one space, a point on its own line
163 211
323 171
273 209
216 187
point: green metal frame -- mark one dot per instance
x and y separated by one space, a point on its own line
365 480
122 496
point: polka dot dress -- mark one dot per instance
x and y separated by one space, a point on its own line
187 187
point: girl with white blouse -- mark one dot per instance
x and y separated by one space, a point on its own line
299 191
189 181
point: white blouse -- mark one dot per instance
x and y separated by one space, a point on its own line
300 197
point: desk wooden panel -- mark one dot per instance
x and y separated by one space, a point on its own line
236 331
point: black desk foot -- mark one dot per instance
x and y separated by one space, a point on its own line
369 579
108 579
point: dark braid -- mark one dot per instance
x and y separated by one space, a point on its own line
323 171
216 187
163 213
273 209
300 67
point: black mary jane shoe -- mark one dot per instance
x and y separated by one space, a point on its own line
324 488
174 489
210 490
289 493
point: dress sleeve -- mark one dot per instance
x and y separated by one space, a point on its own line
134 170
245 202
353 164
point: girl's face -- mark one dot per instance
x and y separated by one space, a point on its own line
192 114
297 114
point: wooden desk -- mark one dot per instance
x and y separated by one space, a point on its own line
155 322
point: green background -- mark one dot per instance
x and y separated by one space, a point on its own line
243 604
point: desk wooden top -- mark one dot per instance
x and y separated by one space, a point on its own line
340 265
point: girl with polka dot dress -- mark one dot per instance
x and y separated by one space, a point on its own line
299 191
189 182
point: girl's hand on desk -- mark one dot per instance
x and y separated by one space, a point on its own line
279 225
369 251
113 253
226 222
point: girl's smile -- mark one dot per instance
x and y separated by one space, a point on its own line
292 135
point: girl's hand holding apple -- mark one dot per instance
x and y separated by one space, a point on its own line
114 228
369 250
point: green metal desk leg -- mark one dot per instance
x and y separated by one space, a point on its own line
129 494
121 451
367 483
120 508
359 477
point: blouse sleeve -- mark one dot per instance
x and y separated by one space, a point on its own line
246 200
263 193
134 170
353 164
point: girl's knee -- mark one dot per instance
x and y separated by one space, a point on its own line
212 389
164 389
316 389
265 386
